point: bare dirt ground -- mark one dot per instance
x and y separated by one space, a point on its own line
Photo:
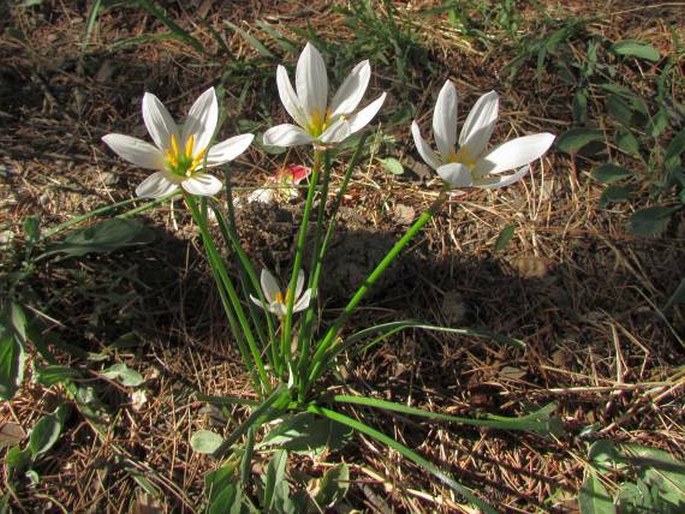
583 294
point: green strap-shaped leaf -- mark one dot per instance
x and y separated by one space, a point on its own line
405 452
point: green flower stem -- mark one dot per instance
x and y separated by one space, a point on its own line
286 335
319 359
304 338
232 240
230 299
320 253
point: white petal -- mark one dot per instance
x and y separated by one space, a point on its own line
265 195
506 180
278 309
480 123
229 149
311 82
286 135
259 303
300 283
158 121
345 127
351 91
202 184
445 120
156 186
514 153
201 120
289 97
456 174
270 287
136 151
426 152
303 302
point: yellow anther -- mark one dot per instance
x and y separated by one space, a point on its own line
464 157
189 146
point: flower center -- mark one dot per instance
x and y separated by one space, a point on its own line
463 156
280 298
183 163
318 122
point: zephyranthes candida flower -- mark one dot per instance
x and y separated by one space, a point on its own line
465 164
277 301
181 152
319 123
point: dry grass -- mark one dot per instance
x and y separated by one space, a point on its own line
582 293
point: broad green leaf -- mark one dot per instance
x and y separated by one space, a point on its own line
594 498
603 454
32 229
658 123
633 102
304 433
12 359
19 322
626 141
504 237
46 432
609 173
123 374
275 475
334 485
614 194
579 107
575 139
105 236
205 441
650 221
676 146
227 501
17 461
637 49
618 109
659 470
55 374
392 165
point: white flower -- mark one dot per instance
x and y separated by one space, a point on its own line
319 123
464 165
181 152
277 302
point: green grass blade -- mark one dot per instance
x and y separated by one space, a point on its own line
176 30
93 14
286 44
388 329
256 43
538 421
405 452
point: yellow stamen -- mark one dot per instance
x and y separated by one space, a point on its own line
462 156
189 146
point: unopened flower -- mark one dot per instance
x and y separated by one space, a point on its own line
280 187
276 300
465 164
321 123
181 152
